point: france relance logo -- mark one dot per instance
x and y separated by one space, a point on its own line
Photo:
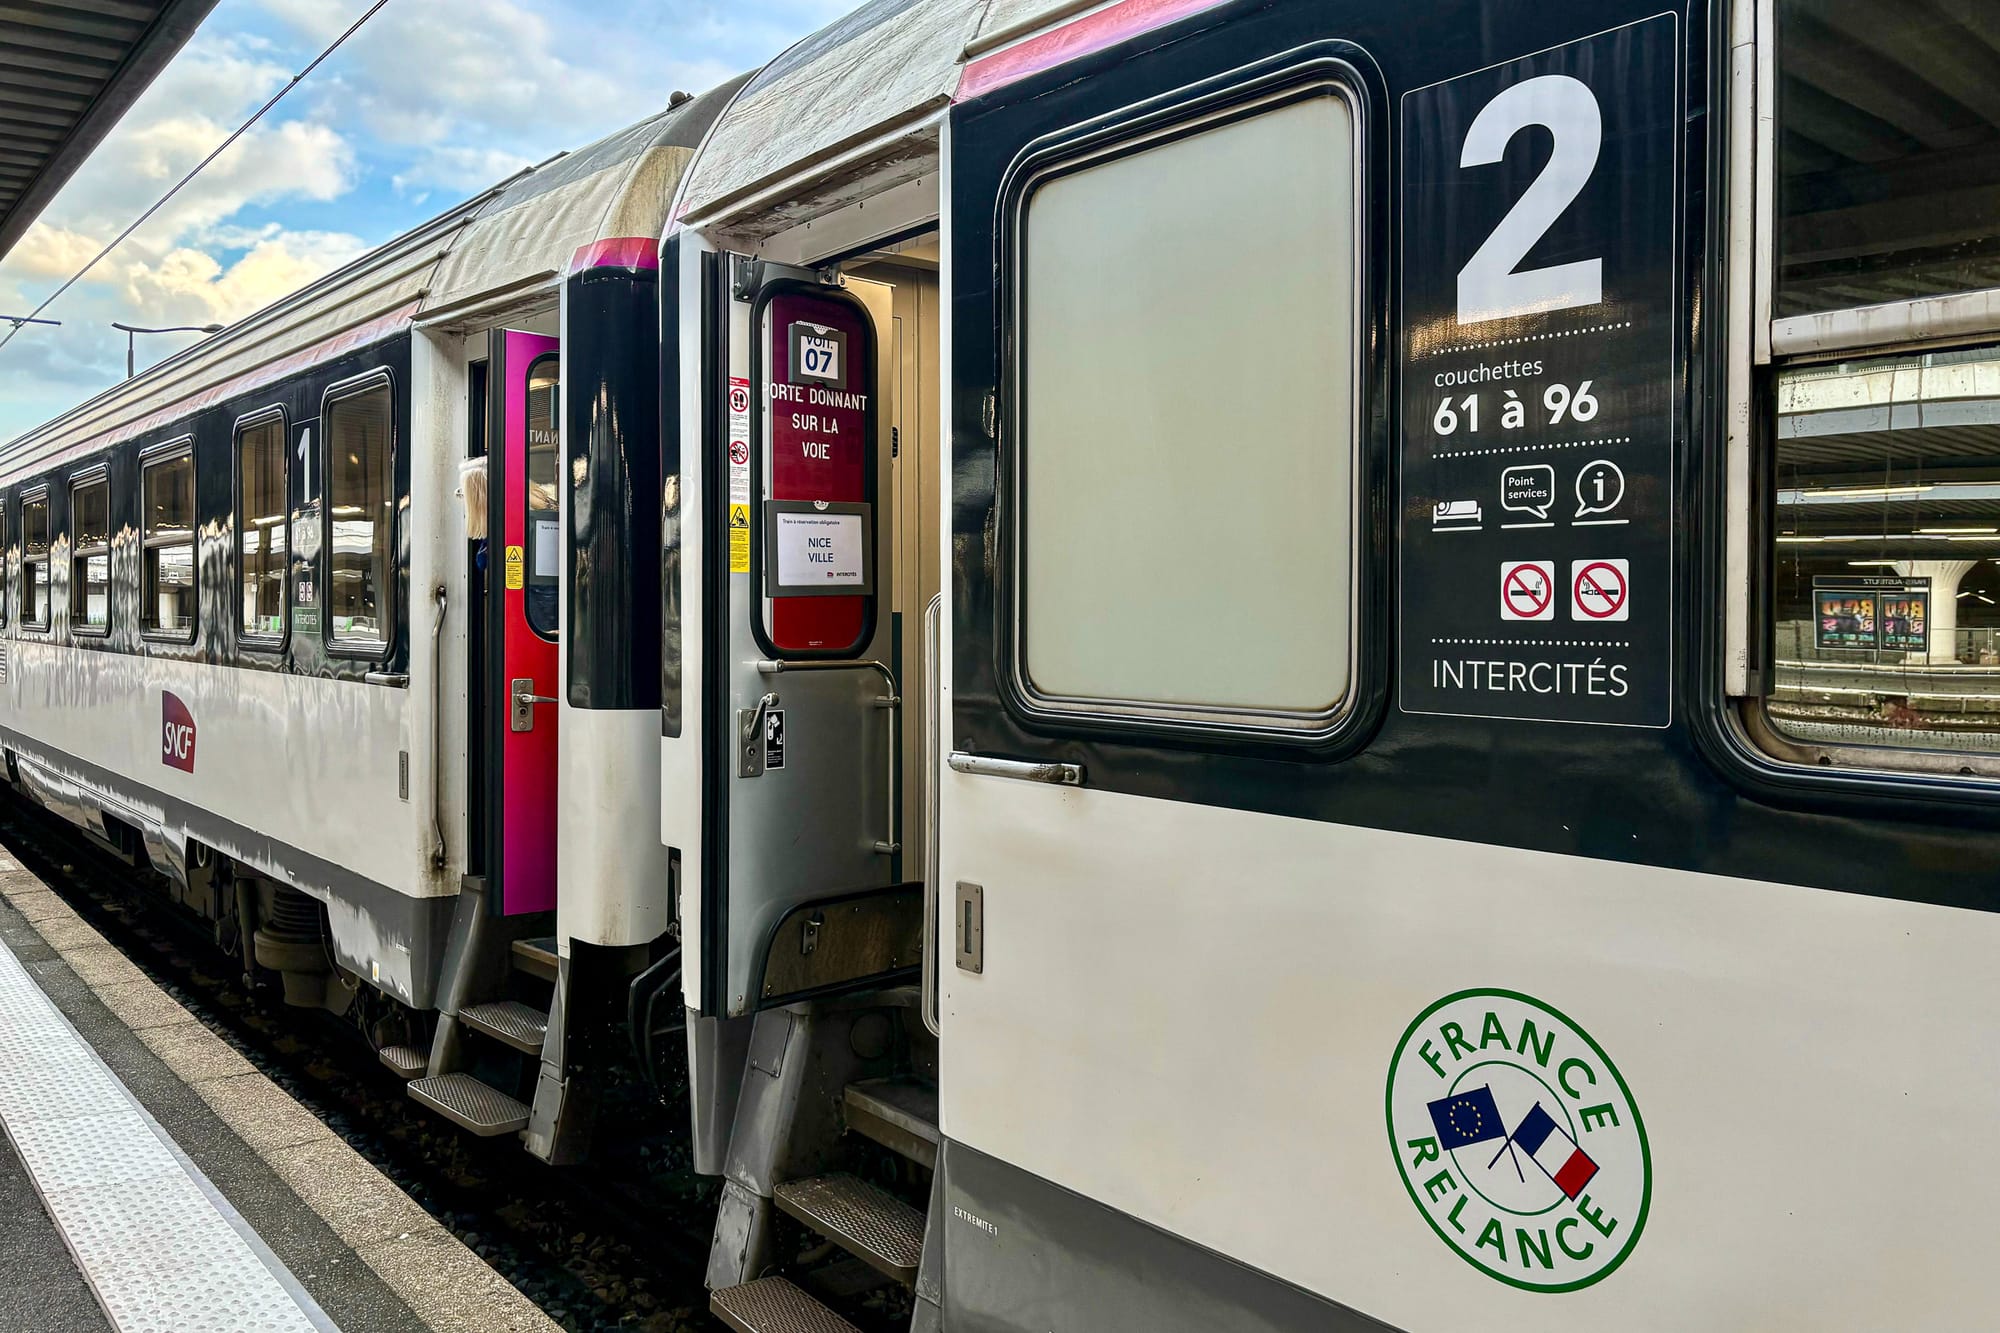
1518 1140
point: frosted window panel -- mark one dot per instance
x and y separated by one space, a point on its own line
1189 419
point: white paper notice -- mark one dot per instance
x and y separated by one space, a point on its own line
822 550
548 544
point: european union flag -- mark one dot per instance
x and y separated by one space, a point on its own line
1467 1117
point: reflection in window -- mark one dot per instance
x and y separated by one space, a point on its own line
361 497
35 562
168 602
544 554
1887 568
261 510
90 557
1888 151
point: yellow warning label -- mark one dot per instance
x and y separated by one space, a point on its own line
739 539
514 579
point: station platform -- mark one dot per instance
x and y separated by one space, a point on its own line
153 1181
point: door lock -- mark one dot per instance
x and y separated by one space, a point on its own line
750 743
522 692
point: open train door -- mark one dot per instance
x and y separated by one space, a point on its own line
804 890
524 562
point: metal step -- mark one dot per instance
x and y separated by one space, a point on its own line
871 1224
773 1305
521 1026
404 1061
536 957
472 1105
899 1114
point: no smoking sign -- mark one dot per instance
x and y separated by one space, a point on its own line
1600 590
1528 590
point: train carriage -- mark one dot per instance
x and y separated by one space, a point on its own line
1281 664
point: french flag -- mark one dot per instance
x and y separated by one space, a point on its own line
1555 1151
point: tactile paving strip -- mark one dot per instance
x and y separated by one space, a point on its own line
147 1231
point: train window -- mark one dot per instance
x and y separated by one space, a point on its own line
361 509
543 536
5 578
90 556
262 508
1888 153
35 560
1188 440
166 499
1887 562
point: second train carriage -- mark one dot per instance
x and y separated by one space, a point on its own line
1332 670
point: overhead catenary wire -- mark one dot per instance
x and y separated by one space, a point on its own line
181 184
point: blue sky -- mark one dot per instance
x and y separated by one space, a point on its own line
430 103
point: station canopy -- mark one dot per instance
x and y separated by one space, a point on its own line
68 72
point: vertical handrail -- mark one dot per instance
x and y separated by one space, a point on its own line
933 746
438 858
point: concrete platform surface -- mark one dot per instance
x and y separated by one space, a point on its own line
152 1178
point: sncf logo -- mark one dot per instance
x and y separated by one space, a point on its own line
176 734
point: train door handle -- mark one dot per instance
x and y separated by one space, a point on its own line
521 691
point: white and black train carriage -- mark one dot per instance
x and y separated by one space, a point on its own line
1333 664
284 618
1464 766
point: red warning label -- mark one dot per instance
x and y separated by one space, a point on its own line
1600 590
1528 590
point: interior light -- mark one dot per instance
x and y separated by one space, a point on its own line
1945 532
1913 488
1859 563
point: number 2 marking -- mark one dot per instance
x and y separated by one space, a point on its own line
1488 285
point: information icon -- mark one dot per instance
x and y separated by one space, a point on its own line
1600 488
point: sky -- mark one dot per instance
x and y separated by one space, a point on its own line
428 104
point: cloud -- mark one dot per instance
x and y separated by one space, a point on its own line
470 91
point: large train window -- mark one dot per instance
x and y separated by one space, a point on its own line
1186 455
90 555
166 515
262 513
35 559
359 427
1876 314
1888 178
540 495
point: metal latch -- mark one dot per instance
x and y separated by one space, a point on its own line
750 737
971 914
522 692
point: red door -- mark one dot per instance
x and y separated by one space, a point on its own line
523 492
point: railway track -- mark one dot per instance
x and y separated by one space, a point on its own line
618 1243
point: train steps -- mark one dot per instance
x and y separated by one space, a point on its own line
463 1098
774 1305
866 1221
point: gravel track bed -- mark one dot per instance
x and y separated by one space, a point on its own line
619 1243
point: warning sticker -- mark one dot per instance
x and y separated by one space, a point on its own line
1528 590
739 539
1600 589
514 579
739 451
